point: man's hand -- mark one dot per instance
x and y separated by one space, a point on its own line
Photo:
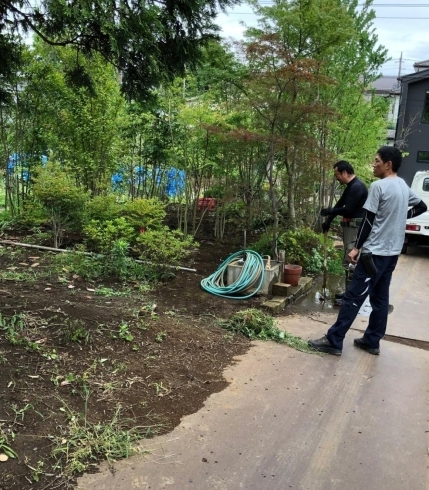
325 227
353 255
326 211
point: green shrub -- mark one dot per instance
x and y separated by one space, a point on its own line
303 247
144 213
117 262
101 235
264 245
335 261
314 264
164 247
103 208
61 198
299 246
32 215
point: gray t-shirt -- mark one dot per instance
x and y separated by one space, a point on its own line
389 199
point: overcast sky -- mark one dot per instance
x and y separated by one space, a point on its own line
401 26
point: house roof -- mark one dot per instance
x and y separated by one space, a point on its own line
386 85
421 64
415 77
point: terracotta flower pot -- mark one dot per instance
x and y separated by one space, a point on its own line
292 274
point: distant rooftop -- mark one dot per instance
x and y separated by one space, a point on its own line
421 65
385 85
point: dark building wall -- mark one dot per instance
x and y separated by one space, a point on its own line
410 120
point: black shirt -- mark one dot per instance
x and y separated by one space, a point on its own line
351 201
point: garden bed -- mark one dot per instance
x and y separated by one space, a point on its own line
90 364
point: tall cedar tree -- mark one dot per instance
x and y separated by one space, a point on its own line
147 41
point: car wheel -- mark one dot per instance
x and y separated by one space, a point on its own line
404 248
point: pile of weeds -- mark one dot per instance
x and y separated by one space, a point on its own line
83 443
257 325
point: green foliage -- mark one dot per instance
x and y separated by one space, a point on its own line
5 219
263 245
84 442
300 246
61 198
255 324
13 328
164 247
144 213
160 336
5 445
77 262
33 214
75 331
303 247
117 263
102 235
149 44
314 263
39 236
103 208
123 333
335 261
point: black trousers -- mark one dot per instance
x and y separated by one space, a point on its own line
362 285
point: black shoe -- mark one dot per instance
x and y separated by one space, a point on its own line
323 345
361 344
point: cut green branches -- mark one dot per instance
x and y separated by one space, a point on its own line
257 325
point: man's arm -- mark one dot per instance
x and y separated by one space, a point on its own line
417 210
363 233
346 207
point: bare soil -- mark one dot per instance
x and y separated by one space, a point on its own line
75 359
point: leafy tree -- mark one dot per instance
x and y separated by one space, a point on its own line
341 39
148 42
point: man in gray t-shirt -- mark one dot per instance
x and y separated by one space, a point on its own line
378 246
388 199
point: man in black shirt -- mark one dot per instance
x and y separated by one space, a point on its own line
349 207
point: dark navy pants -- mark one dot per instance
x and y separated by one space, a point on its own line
362 285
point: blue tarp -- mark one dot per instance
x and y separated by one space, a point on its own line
174 179
17 160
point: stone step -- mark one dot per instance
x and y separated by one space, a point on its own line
279 300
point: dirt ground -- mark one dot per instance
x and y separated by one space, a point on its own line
71 359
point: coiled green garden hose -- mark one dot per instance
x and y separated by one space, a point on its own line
252 273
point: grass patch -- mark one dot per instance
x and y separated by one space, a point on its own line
257 325
85 443
21 276
109 292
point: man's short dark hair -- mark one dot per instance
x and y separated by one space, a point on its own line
391 154
342 166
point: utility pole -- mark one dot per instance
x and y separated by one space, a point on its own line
400 66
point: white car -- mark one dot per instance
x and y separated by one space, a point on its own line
417 229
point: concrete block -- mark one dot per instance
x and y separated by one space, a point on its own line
281 289
275 305
271 275
306 283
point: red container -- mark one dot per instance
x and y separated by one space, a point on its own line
208 203
292 274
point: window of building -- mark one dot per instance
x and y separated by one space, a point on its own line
425 115
423 156
426 185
